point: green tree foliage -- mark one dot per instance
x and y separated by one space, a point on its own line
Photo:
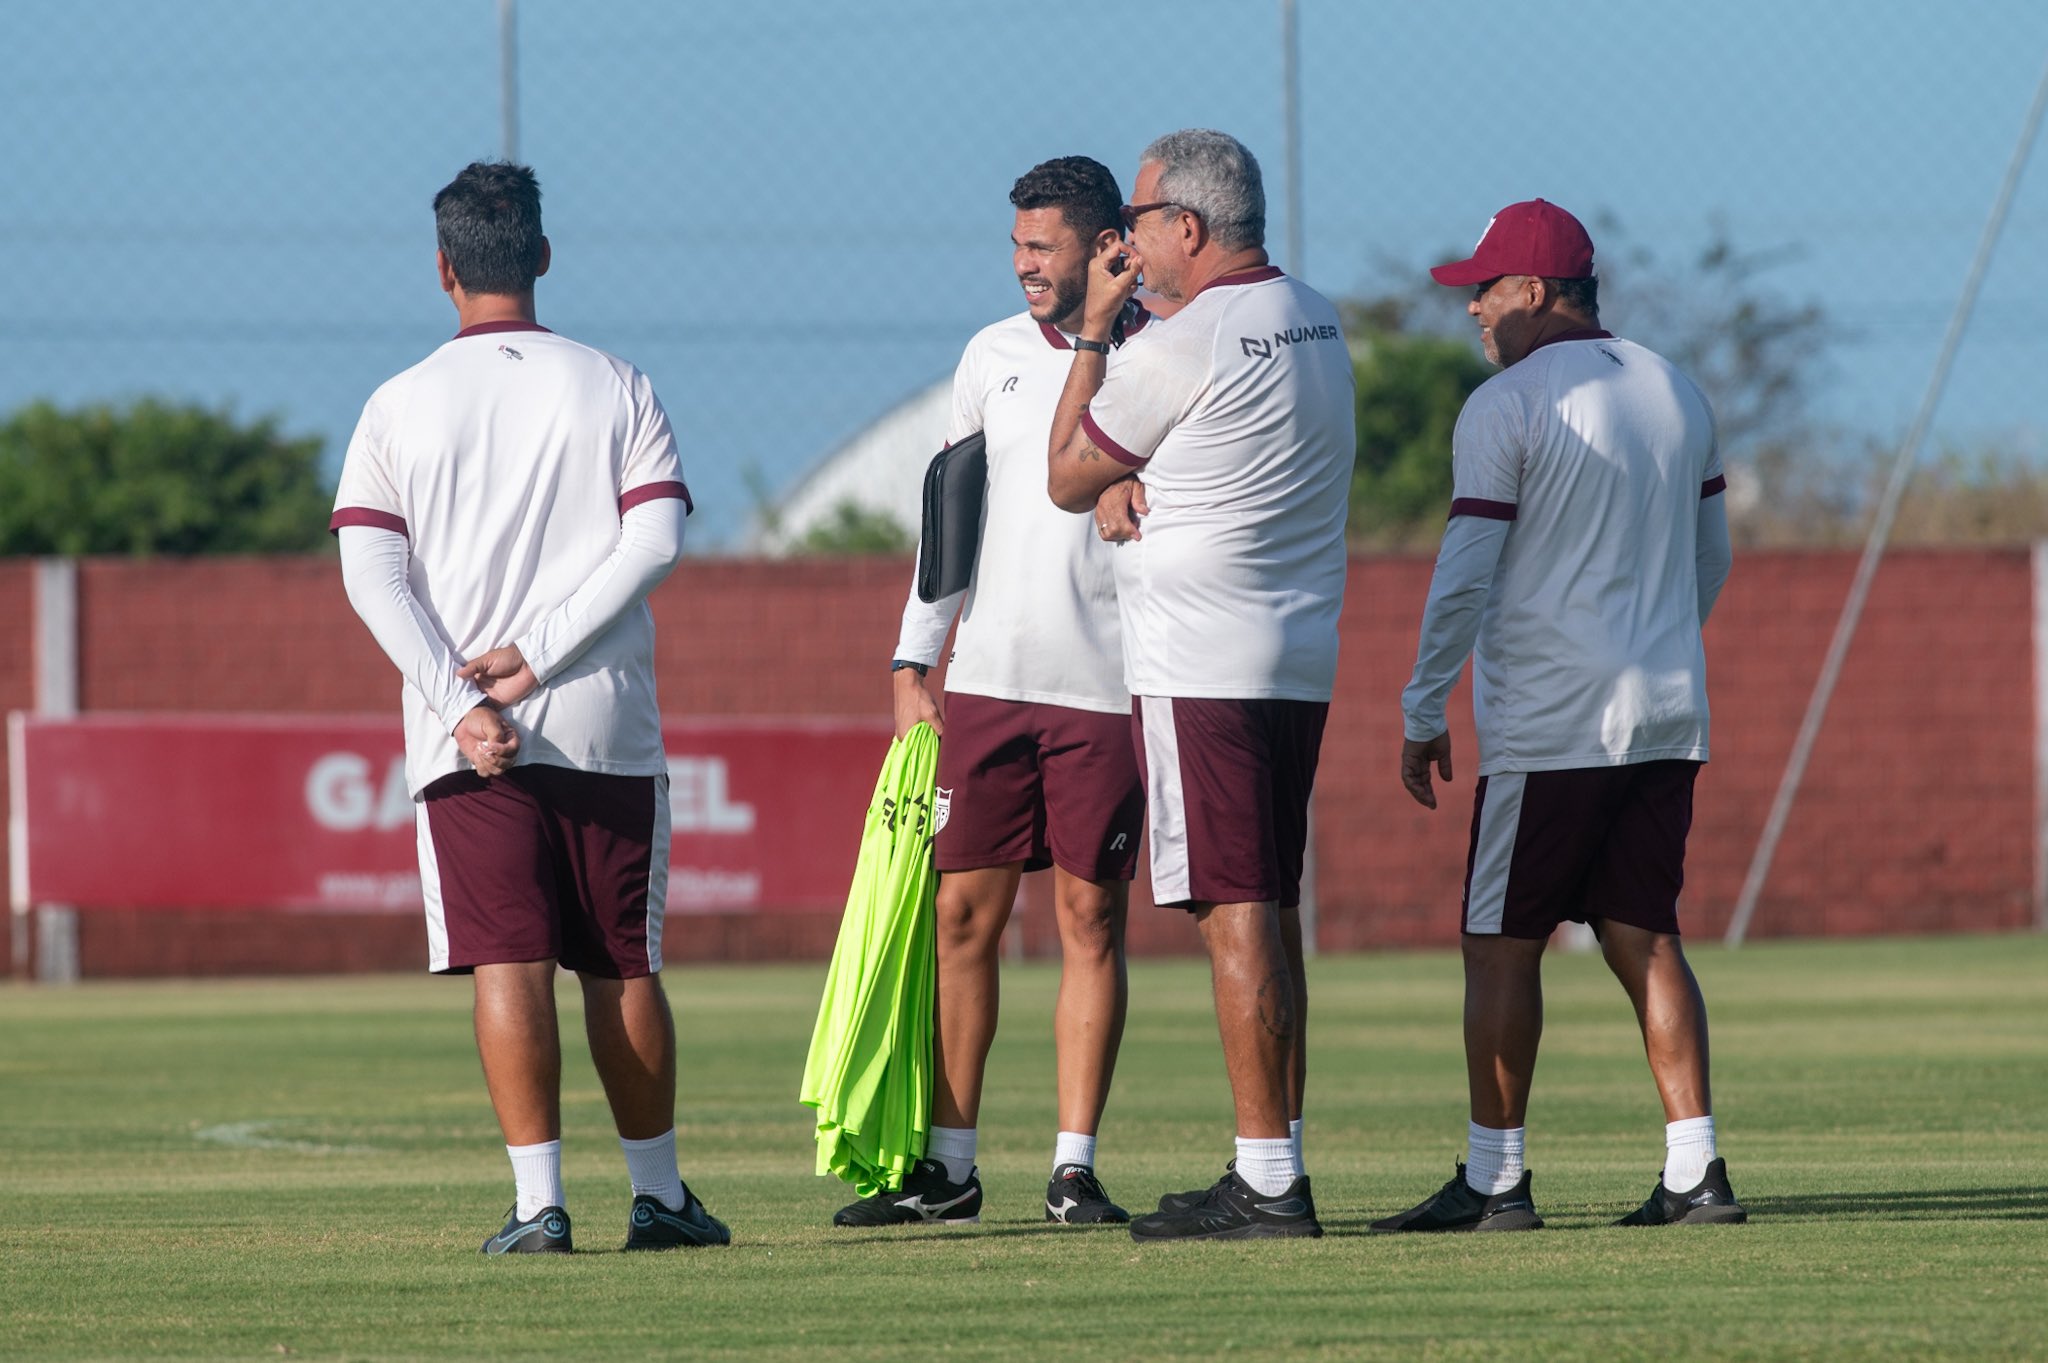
855 529
153 477
1410 391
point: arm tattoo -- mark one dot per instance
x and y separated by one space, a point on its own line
1087 451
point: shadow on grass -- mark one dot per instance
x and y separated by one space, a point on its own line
1934 1204
924 1235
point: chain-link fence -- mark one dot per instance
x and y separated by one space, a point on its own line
793 216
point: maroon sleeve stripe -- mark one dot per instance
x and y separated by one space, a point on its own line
1713 485
1108 446
375 520
649 492
1479 506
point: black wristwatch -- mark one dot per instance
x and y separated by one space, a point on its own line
920 668
1083 343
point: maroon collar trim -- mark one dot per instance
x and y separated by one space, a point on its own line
486 328
1224 281
1130 324
1582 334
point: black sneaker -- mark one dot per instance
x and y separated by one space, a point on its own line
926 1199
1456 1206
651 1225
1075 1198
545 1232
1712 1203
1234 1210
1180 1202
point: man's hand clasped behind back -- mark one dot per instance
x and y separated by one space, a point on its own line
491 744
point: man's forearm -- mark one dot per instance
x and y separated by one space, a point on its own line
650 545
1076 472
374 565
1450 622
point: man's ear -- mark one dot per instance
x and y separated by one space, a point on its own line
446 272
1194 233
547 256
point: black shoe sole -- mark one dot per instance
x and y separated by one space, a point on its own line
1507 1221
1123 1220
1302 1230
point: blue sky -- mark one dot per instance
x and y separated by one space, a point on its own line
794 215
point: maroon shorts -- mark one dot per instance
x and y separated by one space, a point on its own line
545 863
1588 844
1041 784
1227 787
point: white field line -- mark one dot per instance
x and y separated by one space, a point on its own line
250 1136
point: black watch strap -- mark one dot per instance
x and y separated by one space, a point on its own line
899 664
1083 343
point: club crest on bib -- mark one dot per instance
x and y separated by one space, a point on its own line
942 808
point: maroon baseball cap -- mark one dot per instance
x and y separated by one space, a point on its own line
1533 238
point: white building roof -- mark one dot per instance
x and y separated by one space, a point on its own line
880 468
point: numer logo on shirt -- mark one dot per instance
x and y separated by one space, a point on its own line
1260 348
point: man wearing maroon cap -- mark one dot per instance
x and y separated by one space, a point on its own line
1586 545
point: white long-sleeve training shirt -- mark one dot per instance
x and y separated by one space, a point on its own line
516 487
1587 545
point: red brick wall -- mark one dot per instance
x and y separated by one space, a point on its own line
1917 813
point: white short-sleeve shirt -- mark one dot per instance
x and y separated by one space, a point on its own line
1589 651
1039 622
1238 411
506 458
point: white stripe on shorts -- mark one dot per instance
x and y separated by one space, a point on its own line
1166 813
430 890
657 875
1493 851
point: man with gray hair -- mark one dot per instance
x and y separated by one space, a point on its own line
1219 455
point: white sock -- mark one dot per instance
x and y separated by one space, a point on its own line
1071 1147
1493 1157
651 1164
1688 1150
1294 1133
953 1146
1269 1165
537 1174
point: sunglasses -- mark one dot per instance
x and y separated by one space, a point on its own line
1132 212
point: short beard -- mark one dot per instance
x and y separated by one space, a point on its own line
1063 303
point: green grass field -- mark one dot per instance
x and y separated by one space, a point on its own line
305 1168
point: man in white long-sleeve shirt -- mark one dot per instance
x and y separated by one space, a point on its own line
1036 767
504 509
1586 546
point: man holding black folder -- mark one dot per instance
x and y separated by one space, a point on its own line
1036 767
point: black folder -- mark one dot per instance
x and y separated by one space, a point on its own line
954 487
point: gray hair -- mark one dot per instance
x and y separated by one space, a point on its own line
1217 177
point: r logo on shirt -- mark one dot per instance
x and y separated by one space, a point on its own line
509 353
1010 384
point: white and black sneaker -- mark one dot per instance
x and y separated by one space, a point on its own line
927 1198
1234 1210
1075 1198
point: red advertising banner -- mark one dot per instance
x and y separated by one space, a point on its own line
162 811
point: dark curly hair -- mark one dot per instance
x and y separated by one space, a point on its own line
1082 188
